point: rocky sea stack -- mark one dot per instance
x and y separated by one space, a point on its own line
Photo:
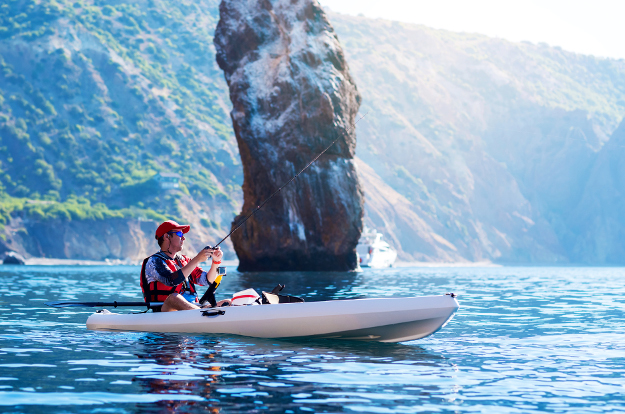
292 95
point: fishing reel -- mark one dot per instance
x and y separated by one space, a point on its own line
220 270
209 247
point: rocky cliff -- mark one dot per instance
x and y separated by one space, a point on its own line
598 220
292 95
82 240
98 238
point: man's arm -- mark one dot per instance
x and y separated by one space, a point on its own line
202 256
156 270
192 271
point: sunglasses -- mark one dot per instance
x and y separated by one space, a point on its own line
177 233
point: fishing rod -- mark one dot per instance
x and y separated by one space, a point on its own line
288 182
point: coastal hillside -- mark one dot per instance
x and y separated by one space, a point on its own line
112 112
115 115
498 150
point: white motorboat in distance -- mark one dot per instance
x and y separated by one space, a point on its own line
373 251
383 320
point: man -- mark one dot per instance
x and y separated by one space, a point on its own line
170 277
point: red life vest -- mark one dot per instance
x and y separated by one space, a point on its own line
157 291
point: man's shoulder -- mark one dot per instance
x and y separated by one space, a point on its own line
163 256
158 256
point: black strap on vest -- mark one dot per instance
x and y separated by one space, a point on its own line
148 294
188 285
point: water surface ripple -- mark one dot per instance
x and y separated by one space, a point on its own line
524 340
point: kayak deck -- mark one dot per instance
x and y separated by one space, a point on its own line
383 320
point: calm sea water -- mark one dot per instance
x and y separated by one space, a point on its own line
524 340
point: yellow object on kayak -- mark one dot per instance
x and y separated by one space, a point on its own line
218 281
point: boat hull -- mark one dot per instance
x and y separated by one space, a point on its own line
382 320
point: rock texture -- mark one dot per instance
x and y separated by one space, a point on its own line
82 239
93 240
13 258
392 213
292 95
598 218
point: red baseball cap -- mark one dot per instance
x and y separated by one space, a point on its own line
170 225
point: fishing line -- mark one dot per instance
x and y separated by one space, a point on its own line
287 183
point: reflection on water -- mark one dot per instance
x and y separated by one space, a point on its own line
524 340
261 374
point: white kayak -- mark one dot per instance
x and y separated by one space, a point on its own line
382 320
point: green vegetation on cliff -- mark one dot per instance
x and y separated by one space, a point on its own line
97 97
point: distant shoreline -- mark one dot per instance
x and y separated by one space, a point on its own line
44 261
445 264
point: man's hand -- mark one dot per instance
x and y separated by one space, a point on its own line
203 255
217 254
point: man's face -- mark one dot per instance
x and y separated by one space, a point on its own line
176 240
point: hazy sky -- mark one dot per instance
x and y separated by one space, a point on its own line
595 27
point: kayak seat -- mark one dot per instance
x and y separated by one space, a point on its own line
270 299
274 299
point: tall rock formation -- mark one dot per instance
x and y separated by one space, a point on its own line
292 95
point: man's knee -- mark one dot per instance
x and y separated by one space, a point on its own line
168 304
176 302
173 297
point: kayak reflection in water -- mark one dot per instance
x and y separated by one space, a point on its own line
170 277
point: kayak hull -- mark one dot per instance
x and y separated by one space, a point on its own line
382 320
